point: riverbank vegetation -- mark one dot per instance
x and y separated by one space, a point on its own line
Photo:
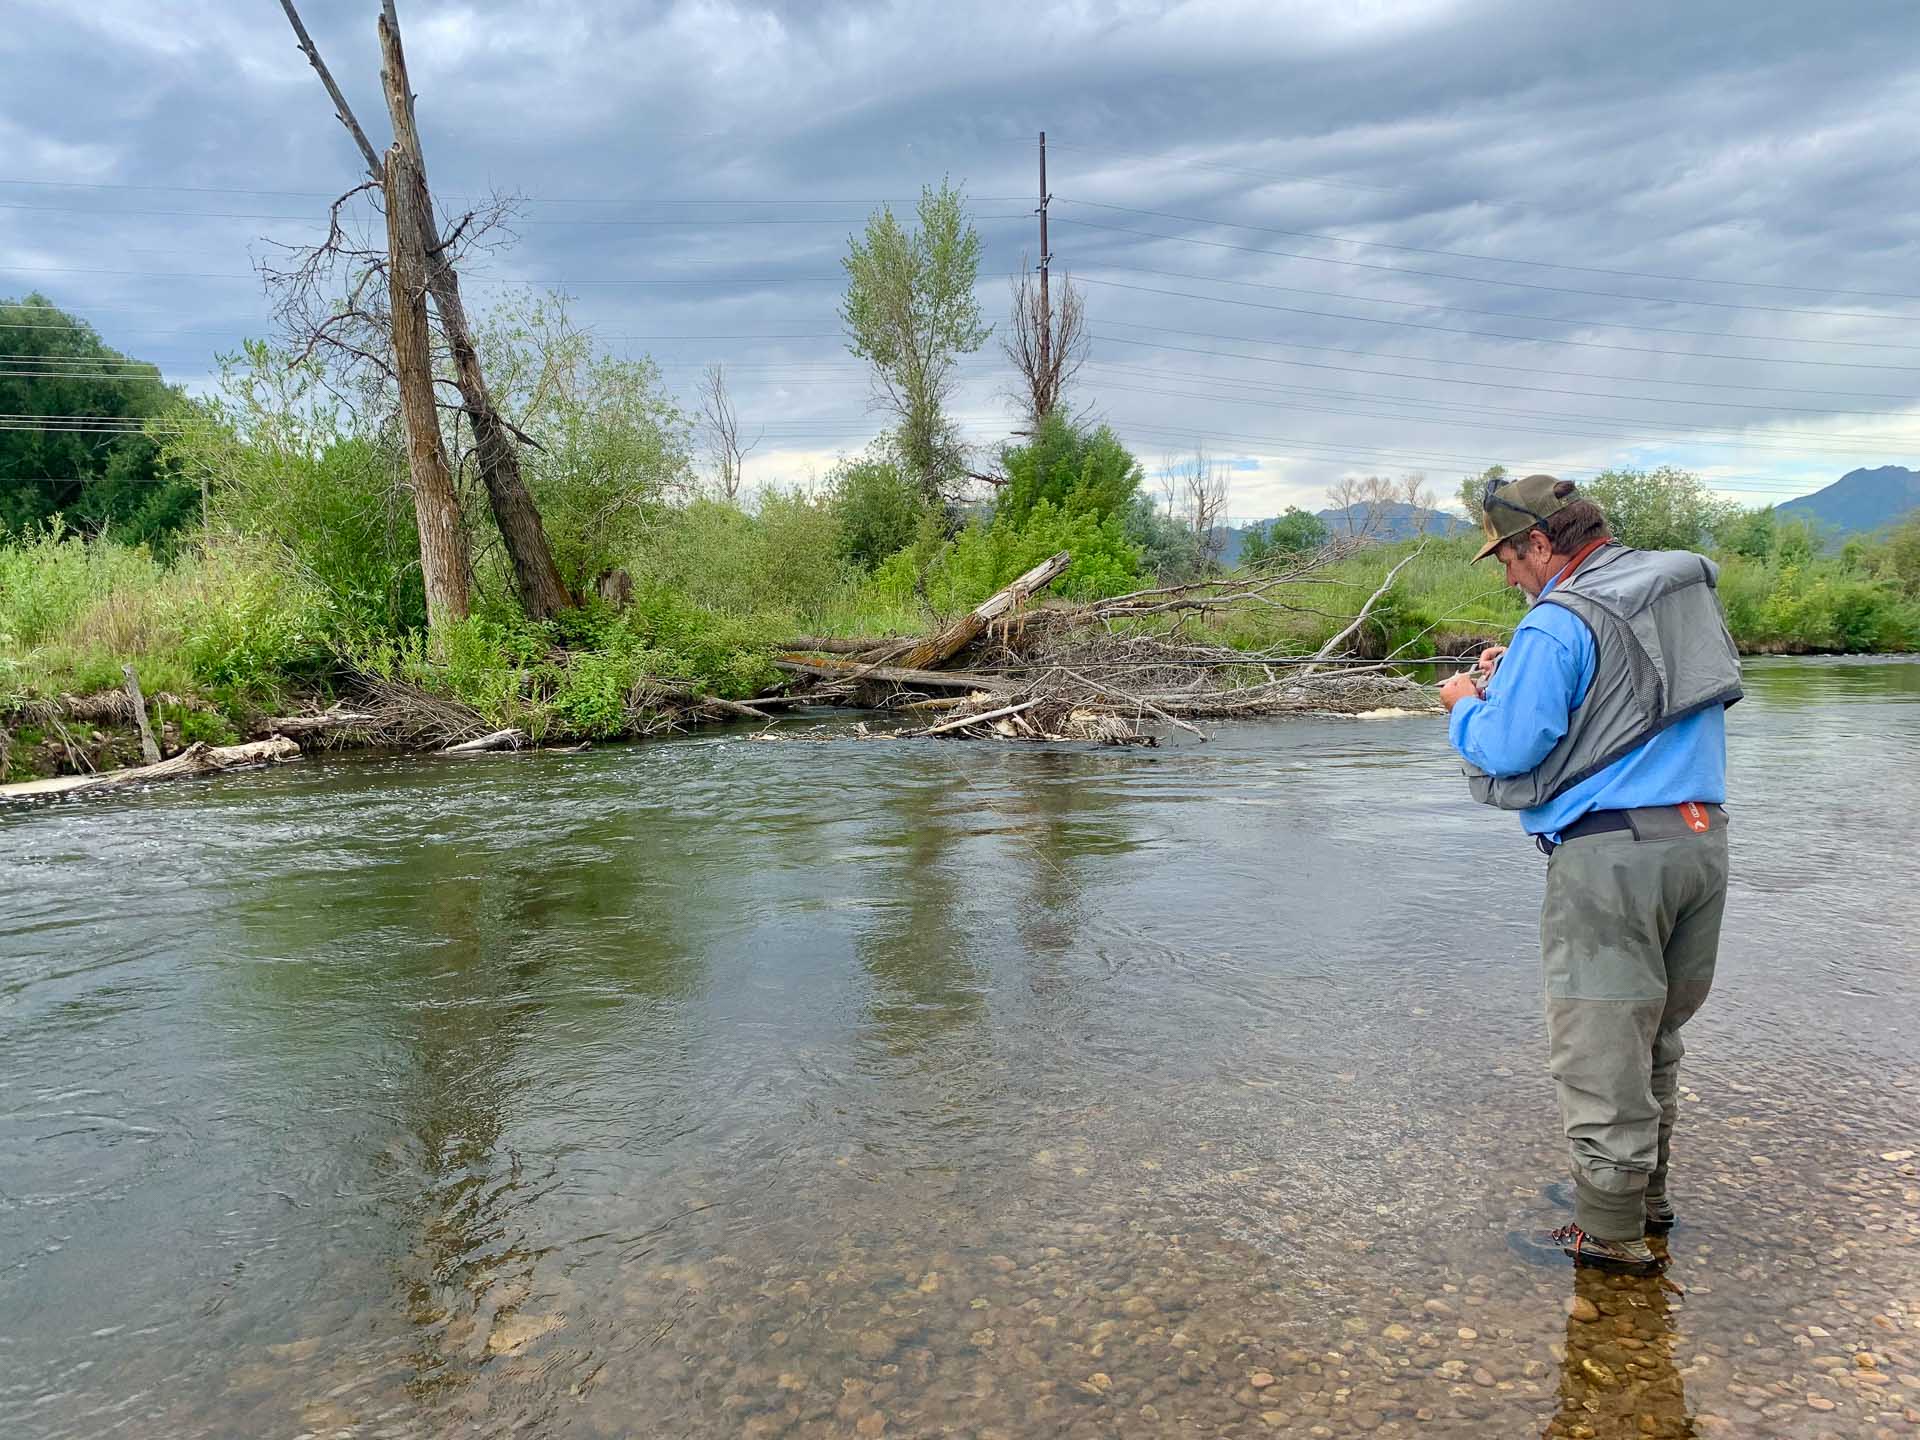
257 552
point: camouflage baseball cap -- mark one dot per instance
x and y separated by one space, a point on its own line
1515 507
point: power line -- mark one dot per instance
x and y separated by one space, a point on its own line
712 222
1239 170
1483 384
1448 406
1494 334
1496 259
471 195
1487 280
1506 314
228 275
1474 422
1490 365
1400 460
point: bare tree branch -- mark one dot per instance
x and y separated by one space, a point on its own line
1046 351
720 424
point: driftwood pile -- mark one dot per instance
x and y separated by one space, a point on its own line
1116 671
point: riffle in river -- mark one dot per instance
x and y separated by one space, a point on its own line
918 1088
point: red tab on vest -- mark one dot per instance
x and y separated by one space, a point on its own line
1695 814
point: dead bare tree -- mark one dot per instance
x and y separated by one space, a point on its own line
720 425
1361 504
1047 343
1202 485
445 563
354 327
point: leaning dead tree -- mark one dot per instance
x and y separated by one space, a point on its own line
355 328
1120 670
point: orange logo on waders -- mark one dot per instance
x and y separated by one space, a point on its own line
1695 814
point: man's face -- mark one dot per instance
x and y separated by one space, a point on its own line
1528 559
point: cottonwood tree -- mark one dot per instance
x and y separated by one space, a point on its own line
720 430
348 319
1663 509
1473 491
910 313
1046 349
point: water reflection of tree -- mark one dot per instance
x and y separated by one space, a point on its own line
927 977
1611 1390
460 985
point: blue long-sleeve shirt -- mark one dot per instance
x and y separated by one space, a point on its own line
1540 682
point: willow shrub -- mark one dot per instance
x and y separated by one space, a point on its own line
981 558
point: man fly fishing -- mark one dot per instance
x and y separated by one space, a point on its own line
1603 725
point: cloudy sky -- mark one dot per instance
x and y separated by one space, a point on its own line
1320 238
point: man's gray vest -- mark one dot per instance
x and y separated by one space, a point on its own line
1662 653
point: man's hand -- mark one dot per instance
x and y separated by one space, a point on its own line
1459 687
1490 658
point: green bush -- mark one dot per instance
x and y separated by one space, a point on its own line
1077 471
982 558
878 508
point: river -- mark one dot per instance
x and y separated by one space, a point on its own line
858 1087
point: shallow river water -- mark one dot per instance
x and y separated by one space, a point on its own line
711 1088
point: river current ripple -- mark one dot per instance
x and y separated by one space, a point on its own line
909 1088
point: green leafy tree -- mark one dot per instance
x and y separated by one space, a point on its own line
1663 509
1795 543
1903 553
1077 470
910 313
1749 533
289 467
1297 532
103 476
878 507
612 443
1169 551
1474 486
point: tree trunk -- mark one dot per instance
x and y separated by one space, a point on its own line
444 564
536 577
149 751
1003 602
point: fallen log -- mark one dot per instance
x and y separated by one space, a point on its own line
335 717
947 726
892 674
969 627
833 645
198 758
498 740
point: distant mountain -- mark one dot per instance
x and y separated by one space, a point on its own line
1859 501
1397 522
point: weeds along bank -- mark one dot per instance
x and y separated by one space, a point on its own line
301 586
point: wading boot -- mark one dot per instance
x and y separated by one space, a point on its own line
1625 1257
1661 1216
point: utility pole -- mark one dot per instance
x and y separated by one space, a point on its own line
1046 307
